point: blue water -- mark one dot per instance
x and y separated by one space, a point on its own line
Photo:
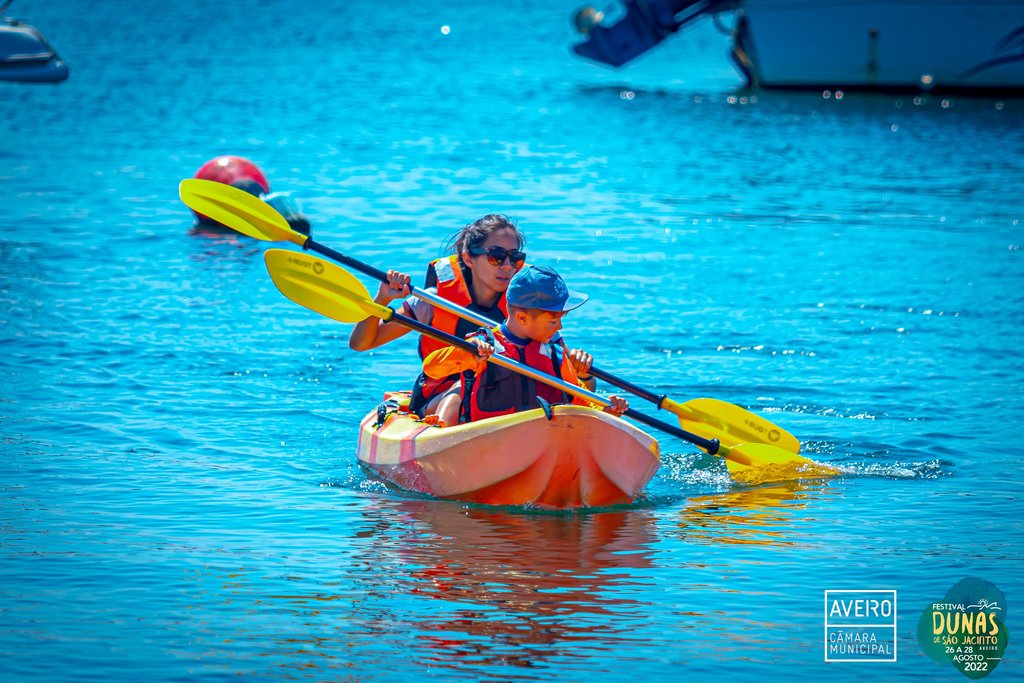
180 494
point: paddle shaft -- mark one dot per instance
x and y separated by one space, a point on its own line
453 308
711 446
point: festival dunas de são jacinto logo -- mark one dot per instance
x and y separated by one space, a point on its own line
967 628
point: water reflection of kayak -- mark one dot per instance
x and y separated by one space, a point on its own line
539 564
470 590
578 458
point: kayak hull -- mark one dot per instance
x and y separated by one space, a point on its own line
579 458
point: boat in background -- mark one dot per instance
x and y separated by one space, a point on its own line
844 44
573 457
25 56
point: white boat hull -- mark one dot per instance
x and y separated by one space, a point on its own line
883 45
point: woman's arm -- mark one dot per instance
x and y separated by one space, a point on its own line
373 332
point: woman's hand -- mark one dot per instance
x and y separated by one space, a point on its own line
397 287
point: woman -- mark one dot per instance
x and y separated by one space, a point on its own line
485 255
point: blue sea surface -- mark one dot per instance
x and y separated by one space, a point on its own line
180 494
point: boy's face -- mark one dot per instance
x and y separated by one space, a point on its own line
540 326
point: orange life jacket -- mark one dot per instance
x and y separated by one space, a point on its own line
446 274
500 391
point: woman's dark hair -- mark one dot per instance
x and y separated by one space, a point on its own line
475 234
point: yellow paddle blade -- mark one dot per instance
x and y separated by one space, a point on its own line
759 463
710 432
238 210
322 287
741 425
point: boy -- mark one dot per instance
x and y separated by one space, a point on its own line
537 301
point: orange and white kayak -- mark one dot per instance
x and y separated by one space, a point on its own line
581 457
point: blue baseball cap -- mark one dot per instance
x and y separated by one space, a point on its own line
541 287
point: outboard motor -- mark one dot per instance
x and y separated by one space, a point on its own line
645 24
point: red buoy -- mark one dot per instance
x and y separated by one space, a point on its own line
236 171
229 169
241 173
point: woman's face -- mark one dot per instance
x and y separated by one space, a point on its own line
494 277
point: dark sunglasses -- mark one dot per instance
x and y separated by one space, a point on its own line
496 255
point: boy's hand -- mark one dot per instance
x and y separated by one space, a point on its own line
618 405
397 287
580 361
484 349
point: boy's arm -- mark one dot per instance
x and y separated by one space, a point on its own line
570 376
580 361
618 405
